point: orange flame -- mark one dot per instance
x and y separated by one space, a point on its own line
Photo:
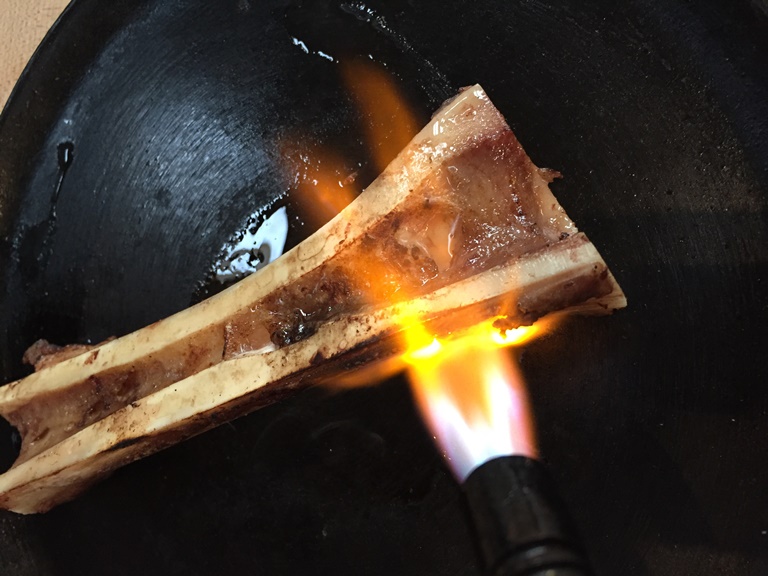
389 124
324 187
470 392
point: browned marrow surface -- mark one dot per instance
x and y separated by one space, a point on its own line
461 227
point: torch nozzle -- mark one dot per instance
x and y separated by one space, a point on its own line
521 522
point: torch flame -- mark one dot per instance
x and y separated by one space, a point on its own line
473 397
470 392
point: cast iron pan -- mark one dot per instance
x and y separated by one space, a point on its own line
165 118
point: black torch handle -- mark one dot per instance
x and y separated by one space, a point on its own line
521 522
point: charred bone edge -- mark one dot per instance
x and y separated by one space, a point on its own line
240 385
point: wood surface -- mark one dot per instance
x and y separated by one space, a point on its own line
23 24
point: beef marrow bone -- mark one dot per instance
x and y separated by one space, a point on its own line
459 228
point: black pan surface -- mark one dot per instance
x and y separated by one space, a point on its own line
145 134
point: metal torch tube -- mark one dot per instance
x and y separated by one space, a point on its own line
521 522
